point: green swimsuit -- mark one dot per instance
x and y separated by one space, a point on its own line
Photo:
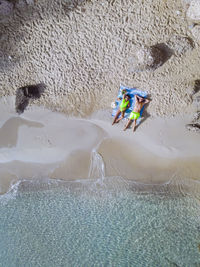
123 105
134 115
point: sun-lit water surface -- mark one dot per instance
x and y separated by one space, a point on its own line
109 222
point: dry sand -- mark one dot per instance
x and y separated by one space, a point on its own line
41 143
83 50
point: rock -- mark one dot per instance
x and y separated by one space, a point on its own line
21 102
195 127
25 93
180 45
196 32
149 58
34 91
196 117
196 88
193 12
6 8
196 94
195 124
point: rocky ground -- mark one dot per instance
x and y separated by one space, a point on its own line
83 50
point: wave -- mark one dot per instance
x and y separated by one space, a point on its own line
106 187
100 220
98 183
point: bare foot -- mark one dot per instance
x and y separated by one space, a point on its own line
124 129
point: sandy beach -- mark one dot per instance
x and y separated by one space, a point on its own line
75 190
83 51
41 143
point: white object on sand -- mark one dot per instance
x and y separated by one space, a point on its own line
113 104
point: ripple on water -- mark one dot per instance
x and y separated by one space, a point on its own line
95 223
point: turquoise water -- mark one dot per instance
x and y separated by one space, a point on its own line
107 222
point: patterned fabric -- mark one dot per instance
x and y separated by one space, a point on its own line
131 92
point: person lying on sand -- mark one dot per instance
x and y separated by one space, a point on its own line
125 104
135 114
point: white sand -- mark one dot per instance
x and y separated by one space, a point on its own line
157 150
40 144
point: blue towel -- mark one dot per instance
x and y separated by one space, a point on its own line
131 92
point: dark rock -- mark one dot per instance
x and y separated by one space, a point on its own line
196 86
33 91
21 102
24 94
195 127
195 124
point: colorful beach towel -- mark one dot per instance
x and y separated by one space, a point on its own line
131 92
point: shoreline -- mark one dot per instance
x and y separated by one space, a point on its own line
49 144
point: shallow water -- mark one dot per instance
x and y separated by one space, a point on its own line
102 221
109 222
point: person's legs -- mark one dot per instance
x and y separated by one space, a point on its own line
121 117
128 124
116 116
134 124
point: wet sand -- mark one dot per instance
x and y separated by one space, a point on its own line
41 143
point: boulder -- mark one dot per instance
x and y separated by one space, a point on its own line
196 94
34 91
195 124
193 12
21 101
180 44
24 94
149 58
